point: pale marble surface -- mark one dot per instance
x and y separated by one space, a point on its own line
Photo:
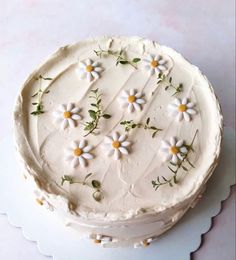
203 31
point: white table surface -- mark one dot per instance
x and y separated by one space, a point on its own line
203 31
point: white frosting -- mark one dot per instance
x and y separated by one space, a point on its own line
130 205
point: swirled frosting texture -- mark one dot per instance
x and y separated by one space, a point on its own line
126 183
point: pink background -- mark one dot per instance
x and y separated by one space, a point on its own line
203 31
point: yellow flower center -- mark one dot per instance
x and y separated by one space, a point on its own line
131 99
67 114
39 201
97 241
145 243
116 144
174 149
78 152
182 108
89 68
154 63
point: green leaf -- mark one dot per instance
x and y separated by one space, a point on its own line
87 176
123 62
106 116
148 120
97 195
92 114
96 184
170 79
166 88
135 60
184 168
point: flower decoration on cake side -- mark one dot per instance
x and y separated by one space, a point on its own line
173 150
67 115
182 109
156 64
116 145
78 154
132 99
89 70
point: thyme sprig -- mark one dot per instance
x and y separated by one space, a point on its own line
94 184
38 104
174 168
95 113
177 89
120 57
129 125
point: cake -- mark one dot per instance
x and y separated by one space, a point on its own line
118 137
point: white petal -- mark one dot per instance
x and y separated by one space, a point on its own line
95 64
140 101
64 124
82 65
125 93
183 150
82 144
76 117
123 150
187 116
58 120
149 57
75 110
172 141
174 158
87 149
117 154
191 111
89 76
138 95
167 157
147 67
165 150
184 101
108 140
71 122
58 114
122 138
162 62
173 107
124 104
87 156
69 107
98 69
177 101
157 70
132 92
173 113
137 106
74 145
190 105
130 108
151 71
165 144
95 74
125 144
161 67
180 116
115 136
82 161
75 162
88 62
62 108
179 143
179 156
157 57
83 75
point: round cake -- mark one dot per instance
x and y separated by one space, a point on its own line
118 136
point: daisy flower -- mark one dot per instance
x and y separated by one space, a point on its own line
174 150
155 64
67 115
182 109
89 70
78 154
132 99
116 145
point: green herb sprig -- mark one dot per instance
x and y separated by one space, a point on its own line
177 89
129 125
120 57
95 113
174 168
38 104
94 184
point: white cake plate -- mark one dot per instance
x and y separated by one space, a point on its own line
56 240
